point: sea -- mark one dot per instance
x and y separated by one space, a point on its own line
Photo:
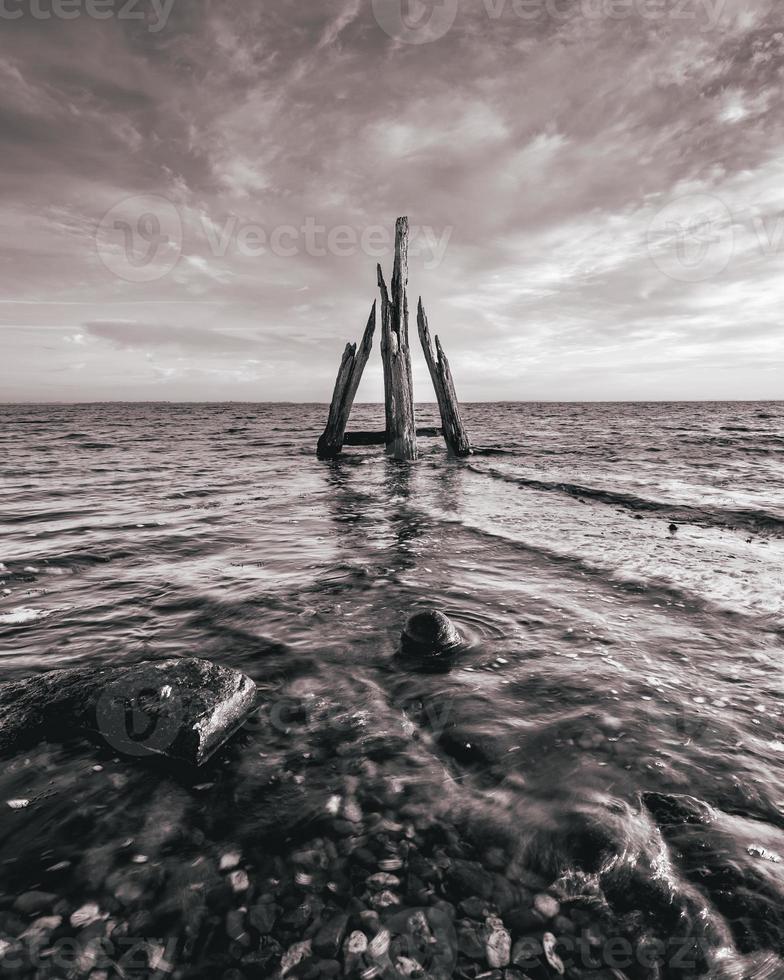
591 786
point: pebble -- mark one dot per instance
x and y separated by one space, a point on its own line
385 900
85 915
549 943
378 947
356 943
329 937
547 906
18 804
32 902
408 967
498 945
294 955
230 860
474 908
235 927
42 928
262 917
383 880
239 881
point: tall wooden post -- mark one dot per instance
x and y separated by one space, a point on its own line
349 376
398 387
455 434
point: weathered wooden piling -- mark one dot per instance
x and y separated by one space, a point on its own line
454 432
400 433
396 354
349 376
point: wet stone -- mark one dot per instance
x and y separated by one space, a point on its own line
547 906
262 917
429 632
31 903
471 940
193 706
474 908
328 939
523 921
498 944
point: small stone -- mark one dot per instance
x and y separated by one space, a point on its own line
474 908
31 903
294 955
18 804
239 881
329 937
378 947
356 943
549 943
498 945
470 941
262 917
523 921
235 927
370 921
527 952
547 906
230 860
85 915
383 880
42 928
385 900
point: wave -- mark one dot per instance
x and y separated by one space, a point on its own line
748 519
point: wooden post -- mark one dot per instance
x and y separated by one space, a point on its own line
455 434
398 388
349 376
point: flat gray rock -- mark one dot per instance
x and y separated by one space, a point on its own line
184 708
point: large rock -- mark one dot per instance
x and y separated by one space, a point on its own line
184 709
429 633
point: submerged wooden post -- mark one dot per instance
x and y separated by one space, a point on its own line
398 388
349 376
455 434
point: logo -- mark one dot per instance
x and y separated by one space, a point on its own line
140 718
140 239
691 239
415 21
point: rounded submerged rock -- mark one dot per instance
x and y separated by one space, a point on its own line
429 633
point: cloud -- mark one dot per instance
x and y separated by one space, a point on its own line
127 335
544 146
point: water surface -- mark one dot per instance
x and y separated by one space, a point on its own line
616 571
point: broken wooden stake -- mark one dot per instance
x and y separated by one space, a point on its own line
400 434
349 376
455 434
395 352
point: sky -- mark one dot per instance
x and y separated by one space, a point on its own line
194 195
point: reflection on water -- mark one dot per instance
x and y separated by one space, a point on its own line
609 737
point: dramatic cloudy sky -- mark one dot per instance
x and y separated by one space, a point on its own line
193 204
